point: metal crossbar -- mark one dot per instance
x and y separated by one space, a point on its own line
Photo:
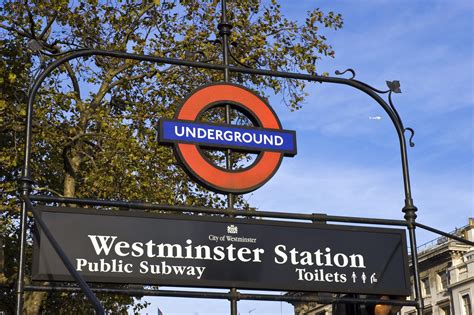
225 296
314 217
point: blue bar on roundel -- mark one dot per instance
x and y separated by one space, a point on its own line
228 136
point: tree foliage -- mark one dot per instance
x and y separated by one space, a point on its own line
94 131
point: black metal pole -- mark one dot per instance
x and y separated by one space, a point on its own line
448 235
313 217
416 275
21 261
25 187
224 32
223 296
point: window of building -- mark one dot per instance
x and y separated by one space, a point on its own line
428 311
425 286
442 278
466 304
445 309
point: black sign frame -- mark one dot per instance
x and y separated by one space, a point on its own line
311 228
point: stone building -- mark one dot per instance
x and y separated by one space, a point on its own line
447 275
447 280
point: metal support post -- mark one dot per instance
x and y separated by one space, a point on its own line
24 191
224 32
410 216
21 262
233 301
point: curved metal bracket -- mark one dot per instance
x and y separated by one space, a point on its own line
412 144
337 72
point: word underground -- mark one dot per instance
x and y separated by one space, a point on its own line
106 245
228 135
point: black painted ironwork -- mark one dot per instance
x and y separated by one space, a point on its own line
26 179
448 235
223 296
233 295
315 217
80 281
225 28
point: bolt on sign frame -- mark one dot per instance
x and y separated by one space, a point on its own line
233 295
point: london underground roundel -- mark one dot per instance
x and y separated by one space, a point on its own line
267 138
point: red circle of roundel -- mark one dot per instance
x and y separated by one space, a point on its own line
209 175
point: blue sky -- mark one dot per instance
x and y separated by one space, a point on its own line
348 163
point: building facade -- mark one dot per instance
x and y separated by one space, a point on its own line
447 280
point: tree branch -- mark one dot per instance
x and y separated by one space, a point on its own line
49 190
149 75
16 127
31 19
90 158
104 87
79 136
48 27
11 29
131 78
75 82
135 24
288 28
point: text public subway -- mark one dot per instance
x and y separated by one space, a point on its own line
112 254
